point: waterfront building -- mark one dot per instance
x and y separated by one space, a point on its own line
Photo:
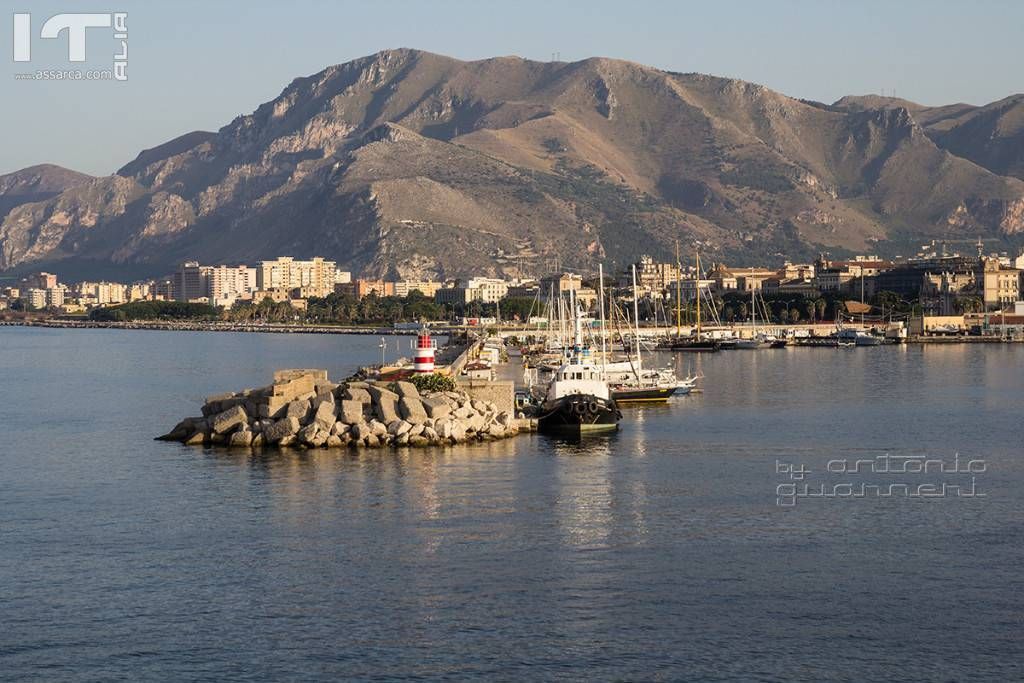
688 288
724 280
832 279
487 289
190 282
139 291
751 279
941 292
41 280
1000 286
483 289
100 293
651 277
796 271
275 294
35 297
453 296
163 290
524 290
230 282
427 288
800 286
315 275
906 279
560 283
45 298
360 288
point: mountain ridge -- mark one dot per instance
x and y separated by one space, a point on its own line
411 164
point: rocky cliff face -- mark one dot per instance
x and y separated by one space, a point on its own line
34 184
414 164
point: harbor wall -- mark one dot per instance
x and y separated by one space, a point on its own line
502 393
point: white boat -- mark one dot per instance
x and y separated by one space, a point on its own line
858 337
578 400
758 341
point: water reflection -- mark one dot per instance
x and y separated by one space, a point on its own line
632 556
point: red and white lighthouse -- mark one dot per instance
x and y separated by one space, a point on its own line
423 354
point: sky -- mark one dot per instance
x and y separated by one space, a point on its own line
197 65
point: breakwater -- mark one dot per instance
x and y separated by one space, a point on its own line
304 409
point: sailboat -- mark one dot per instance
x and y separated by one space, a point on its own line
578 400
758 340
697 342
636 385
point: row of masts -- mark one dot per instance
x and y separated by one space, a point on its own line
679 292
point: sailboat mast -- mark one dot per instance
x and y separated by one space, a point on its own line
679 293
753 312
636 319
697 289
604 334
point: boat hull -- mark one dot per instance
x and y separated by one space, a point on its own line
643 394
868 341
579 414
691 346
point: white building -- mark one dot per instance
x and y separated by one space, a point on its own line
231 282
316 276
101 293
487 290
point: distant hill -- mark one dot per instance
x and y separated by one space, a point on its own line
407 163
36 183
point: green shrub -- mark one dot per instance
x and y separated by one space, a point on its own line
433 382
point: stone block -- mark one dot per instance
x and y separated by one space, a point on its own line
224 422
285 427
323 418
412 410
406 390
316 375
436 407
351 411
386 406
197 438
360 394
240 439
298 410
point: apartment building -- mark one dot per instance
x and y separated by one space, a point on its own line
316 276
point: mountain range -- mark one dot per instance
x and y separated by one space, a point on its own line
412 164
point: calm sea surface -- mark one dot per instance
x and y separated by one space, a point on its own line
660 553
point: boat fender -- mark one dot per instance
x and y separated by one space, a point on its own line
592 407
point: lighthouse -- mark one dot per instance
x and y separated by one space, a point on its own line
423 354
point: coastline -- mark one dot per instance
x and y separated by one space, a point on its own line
285 328
204 326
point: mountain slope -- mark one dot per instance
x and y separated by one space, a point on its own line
991 136
36 183
409 163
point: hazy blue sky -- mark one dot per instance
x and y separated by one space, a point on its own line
197 65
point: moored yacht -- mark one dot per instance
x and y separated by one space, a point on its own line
858 337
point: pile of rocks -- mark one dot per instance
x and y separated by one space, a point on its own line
303 409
